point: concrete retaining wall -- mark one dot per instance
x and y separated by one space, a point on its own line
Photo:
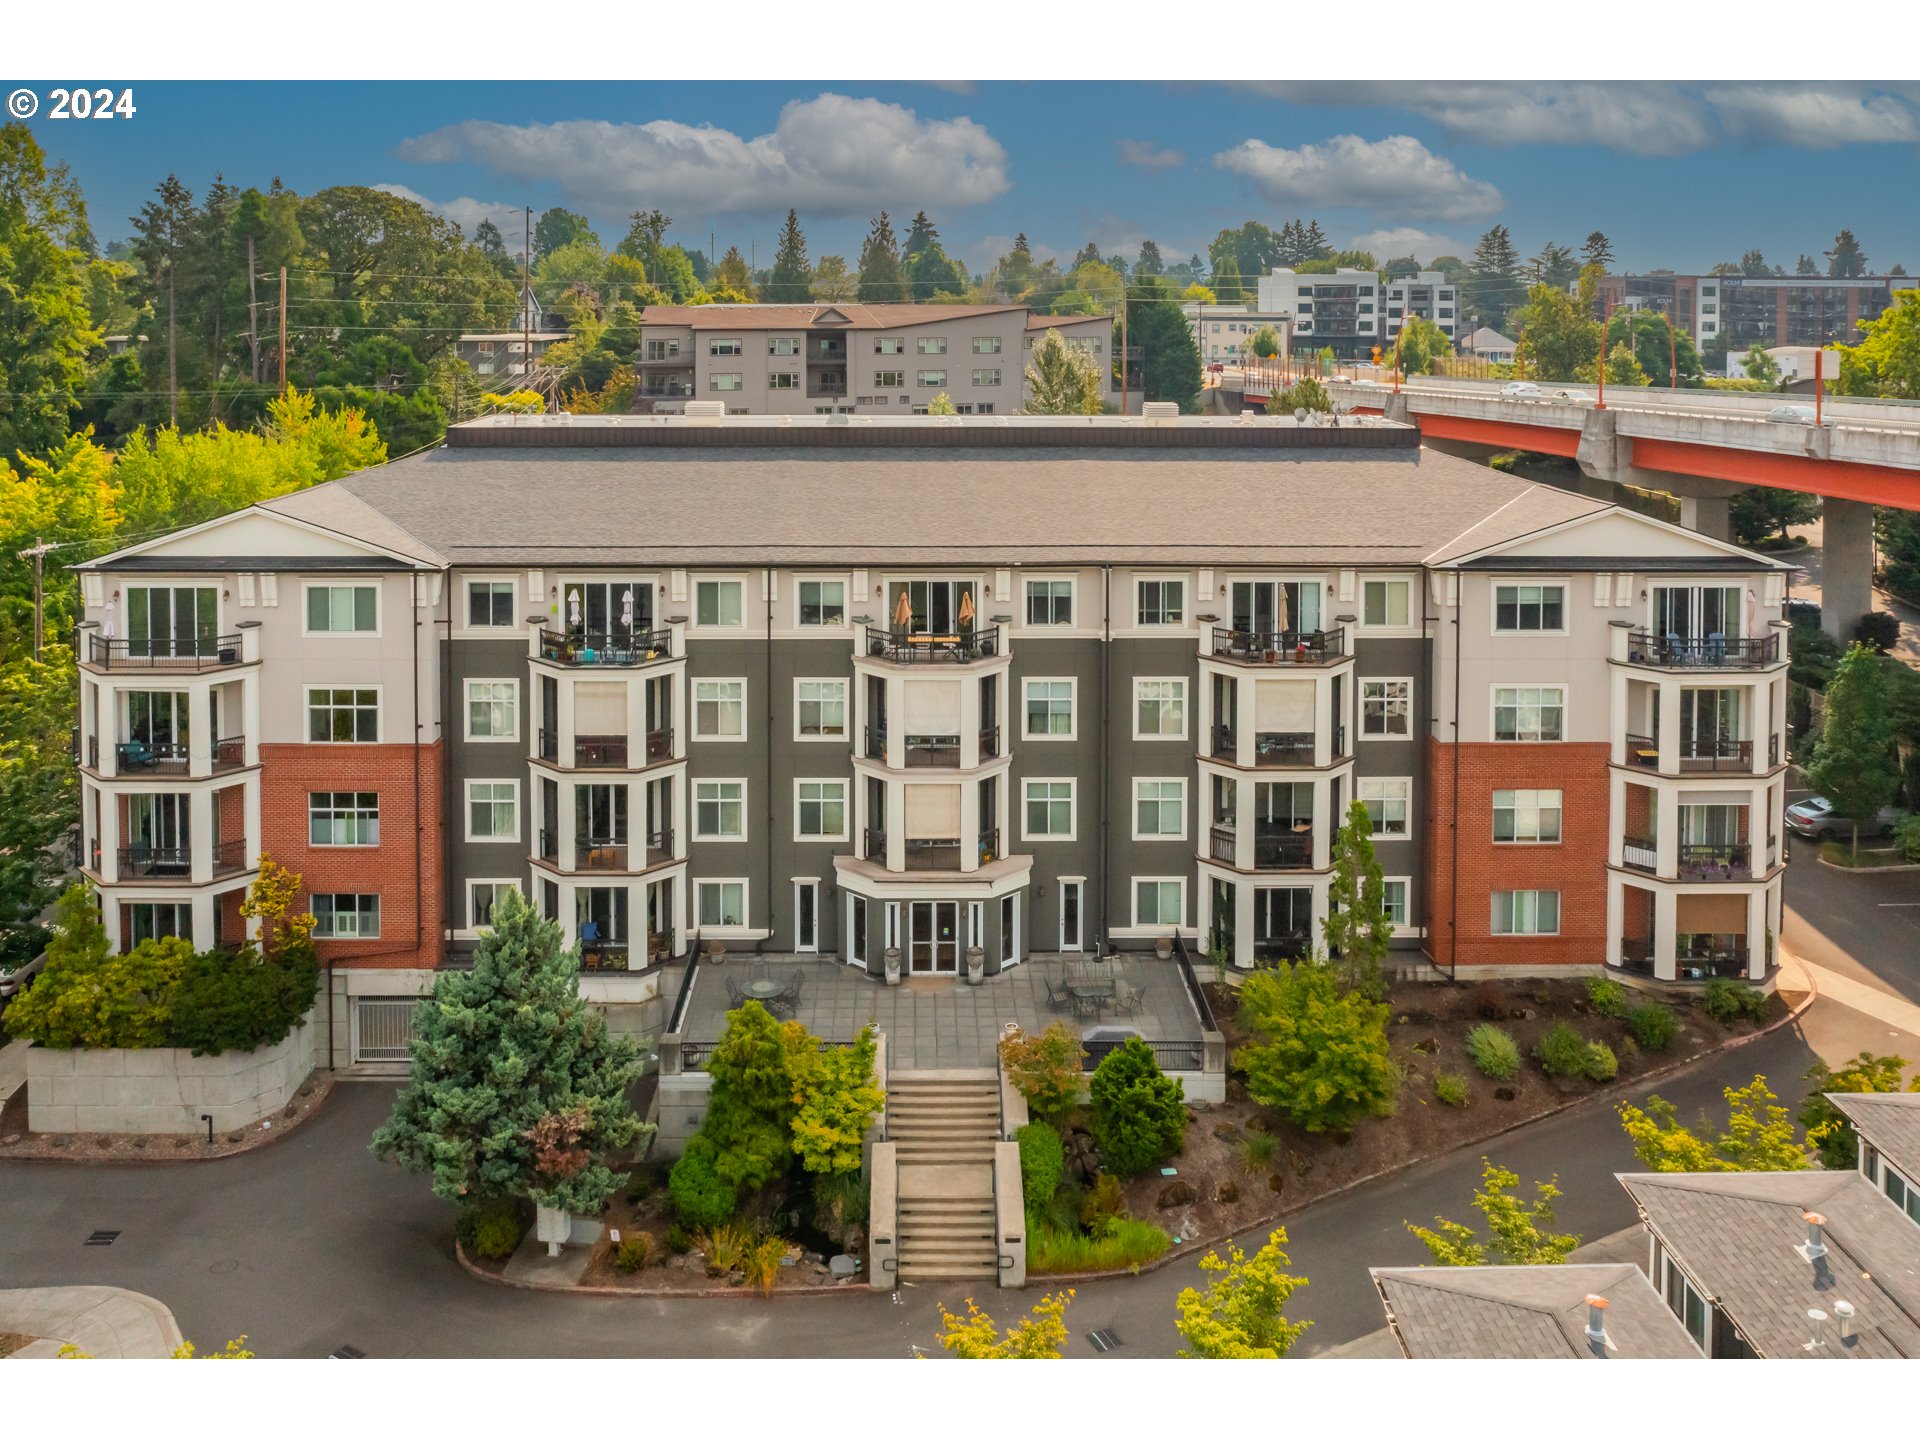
682 1105
164 1092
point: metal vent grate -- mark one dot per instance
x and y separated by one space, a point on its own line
348 1352
1103 1340
103 1237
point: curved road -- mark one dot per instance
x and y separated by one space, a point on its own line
310 1244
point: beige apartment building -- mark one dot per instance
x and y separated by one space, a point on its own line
846 359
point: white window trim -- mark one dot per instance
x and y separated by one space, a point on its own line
466 710
1566 606
847 599
1133 903
1360 782
846 710
1407 880
743 929
379 905
1060 914
1073 812
1187 600
375 845
1185 809
806 882
1493 706
693 601
846 809
379 713
1360 706
472 930
1517 843
516 626
693 810
379 611
1073 600
466 811
1186 708
693 708
1412 624
1073 701
1559 903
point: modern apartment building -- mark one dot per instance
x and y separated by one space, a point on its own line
1340 312
1741 311
1429 295
845 359
844 685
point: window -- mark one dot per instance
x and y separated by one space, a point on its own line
1526 817
725 347
1159 709
489 603
343 716
346 917
1049 810
820 810
1385 602
343 817
931 378
1049 709
1159 809
930 345
1394 901
1386 801
719 809
823 602
155 921
342 610
1685 1301
888 380
720 903
1049 602
1159 902
493 710
663 349
783 345
716 602
1163 602
1386 707
1529 607
482 896
729 381
1529 712
820 709
986 344
1526 912
493 810
890 345
719 709
986 377
783 380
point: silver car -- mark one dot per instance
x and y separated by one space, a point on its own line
1815 819
1790 415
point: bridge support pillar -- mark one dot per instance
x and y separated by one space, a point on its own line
1708 514
1846 565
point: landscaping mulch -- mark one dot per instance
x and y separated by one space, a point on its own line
1214 1194
12 1340
668 1274
19 1143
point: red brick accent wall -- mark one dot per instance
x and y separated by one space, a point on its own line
410 927
1576 867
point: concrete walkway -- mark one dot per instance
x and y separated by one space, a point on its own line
1799 974
101 1321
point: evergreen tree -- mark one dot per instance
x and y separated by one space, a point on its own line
792 279
882 279
919 236
1226 284
1149 262
557 227
1357 928
493 245
1846 260
1554 265
1493 281
1806 265
731 275
45 327
499 1052
1169 354
1016 268
1596 249
1062 379
1754 263
646 242
1313 242
1853 760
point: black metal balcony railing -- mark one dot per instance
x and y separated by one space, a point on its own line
156 757
199 652
1710 652
600 752
1773 751
549 846
989 743
669 391
1283 850
1221 844
600 852
1225 743
1280 647
549 744
1293 945
603 955
1271 747
989 845
659 745
229 856
1644 751
1716 862
939 854
1638 852
659 846
873 845
914 647
229 753
605 647
93 752
1711 958
1339 742
1715 754
940 752
1636 957
155 862
876 746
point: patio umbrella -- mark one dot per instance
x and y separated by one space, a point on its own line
626 608
573 609
903 612
106 626
966 610
1283 618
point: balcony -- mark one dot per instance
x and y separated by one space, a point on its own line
827 352
1272 850
1716 862
989 744
934 752
659 745
229 857
603 954
1710 754
600 852
827 390
913 647
156 757
156 862
190 655
600 752
1225 743
1283 748
1644 751
549 847
672 390
873 845
1711 652
1637 852
1278 949
605 647
1280 647
876 742
549 745
229 754
933 854
989 845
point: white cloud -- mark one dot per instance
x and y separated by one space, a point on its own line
467 213
1149 156
1397 176
1815 117
956 87
1403 240
834 155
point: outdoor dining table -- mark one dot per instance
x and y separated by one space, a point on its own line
1090 979
764 988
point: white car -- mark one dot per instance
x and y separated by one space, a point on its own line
1577 397
1366 384
1520 390
1790 415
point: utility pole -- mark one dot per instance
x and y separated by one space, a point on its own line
526 292
1124 356
1673 358
253 313
1605 324
37 552
283 332
173 370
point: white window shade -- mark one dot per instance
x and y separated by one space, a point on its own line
1283 706
932 812
932 707
599 708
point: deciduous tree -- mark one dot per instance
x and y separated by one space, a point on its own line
1886 362
1828 1130
1853 761
1062 379
1241 1314
1039 1336
1357 928
1517 1233
558 227
46 328
1321 1057
1759 1134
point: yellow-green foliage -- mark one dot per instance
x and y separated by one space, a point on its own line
1759 1135
1038 1336
835 1099
88 999
1322 1058
1114 1243
1045 1068
1515 1232
1239 1315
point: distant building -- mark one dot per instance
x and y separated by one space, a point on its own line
1431 296
1741 311
1491 345
500 353
1225 333
1796 364
1340 312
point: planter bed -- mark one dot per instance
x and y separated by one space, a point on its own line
19 1143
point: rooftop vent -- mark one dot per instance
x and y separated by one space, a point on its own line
1843 1312
1817 1329
1597 1319
1815 1247
705 412
1163 412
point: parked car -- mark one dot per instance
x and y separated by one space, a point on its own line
1367 384
1790 415
12 982
1520 390
1815 819
1216 368
1577 397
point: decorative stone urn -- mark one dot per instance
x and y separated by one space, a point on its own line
893 964
1163 947
976 965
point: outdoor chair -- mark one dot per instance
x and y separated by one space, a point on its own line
734 998
787 1002
1057 996
1127 998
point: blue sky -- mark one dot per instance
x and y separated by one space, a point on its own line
1678 174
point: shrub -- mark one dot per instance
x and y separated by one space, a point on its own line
1489 1001
1607 997
1139 1115
840 1204
242 999
725 1246
86 998
1601 1065
1562 1051
1450 1087
1258 1151
1045 1068
679 1242
1323 1059
1493 1052
1906 829
491 1232
1828 1130
760 1262
700 1197
1105 1200
1652 1025
1043 1160
838 1100
1122 1243
1879 629
631 1254
1729 1000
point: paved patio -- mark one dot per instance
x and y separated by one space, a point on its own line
944 1023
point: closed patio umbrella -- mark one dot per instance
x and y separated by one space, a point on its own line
626 608
903 612
966 610
1282 615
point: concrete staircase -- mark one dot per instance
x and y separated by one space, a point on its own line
945 1124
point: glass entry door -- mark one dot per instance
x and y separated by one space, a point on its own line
933 937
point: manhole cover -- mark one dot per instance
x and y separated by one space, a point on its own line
223 1267
103 1237
348 1352
1103 1340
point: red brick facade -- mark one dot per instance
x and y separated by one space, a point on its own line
1576 867
411 919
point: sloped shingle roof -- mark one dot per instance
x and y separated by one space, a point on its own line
1528 1312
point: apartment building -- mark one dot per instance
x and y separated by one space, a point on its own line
1338 312
1741 311
844 685
1429 295
1225 333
